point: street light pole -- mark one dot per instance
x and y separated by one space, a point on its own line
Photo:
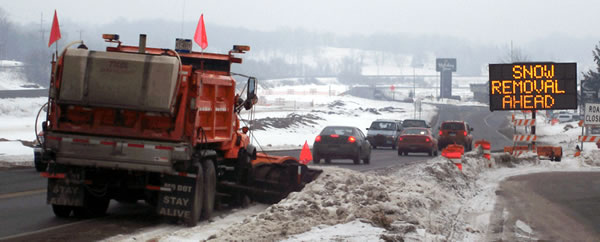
414 94
414 79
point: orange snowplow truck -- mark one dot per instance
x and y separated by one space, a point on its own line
134 123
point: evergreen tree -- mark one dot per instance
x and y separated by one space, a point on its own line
591 79
594 75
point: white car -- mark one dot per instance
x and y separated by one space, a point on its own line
565 118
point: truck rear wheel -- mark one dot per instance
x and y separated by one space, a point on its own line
61 211
210 188
192 220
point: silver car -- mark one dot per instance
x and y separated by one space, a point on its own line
384 132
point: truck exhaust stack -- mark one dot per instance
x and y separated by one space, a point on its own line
142 49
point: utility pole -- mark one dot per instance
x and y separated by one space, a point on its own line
42 31
80 31
182 16
511 52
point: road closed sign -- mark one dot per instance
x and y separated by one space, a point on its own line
592 114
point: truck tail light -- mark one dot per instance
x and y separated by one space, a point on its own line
441 132
465 133
400 139
427 140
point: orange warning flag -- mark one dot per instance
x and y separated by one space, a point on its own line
305 155
200 35
55 31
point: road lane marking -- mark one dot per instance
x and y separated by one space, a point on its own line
45 229
20 194
487 124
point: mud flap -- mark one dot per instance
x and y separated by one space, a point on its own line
177 197
67 191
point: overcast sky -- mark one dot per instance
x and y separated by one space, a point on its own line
496 21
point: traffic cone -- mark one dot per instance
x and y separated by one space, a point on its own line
577 151
305 155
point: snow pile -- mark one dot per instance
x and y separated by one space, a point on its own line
21 107
17 116
415 203
355 231
12 77
14 153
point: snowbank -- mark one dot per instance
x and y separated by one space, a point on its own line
417 203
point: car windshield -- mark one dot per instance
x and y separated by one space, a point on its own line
337 130
414 123
453 126
383 126
416 131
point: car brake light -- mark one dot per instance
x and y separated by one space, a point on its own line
440 132
351 139
427 140
318 138
400 139
465 133
334 136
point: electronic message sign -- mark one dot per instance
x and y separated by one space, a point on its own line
533 86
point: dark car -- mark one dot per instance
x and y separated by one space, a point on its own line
455 132
341 142
384 132
417 140
418 123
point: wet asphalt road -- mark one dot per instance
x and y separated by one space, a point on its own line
557 206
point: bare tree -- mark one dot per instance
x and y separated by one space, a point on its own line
5 25
513 54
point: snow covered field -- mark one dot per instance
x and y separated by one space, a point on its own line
324 110
17 123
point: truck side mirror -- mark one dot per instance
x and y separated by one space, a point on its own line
251 98
251 88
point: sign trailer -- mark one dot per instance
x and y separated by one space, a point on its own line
533 86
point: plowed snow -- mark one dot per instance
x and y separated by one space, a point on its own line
423 196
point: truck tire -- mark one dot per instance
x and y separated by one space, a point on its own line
192 220
62 211
210 188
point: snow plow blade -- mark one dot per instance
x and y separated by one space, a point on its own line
277 176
